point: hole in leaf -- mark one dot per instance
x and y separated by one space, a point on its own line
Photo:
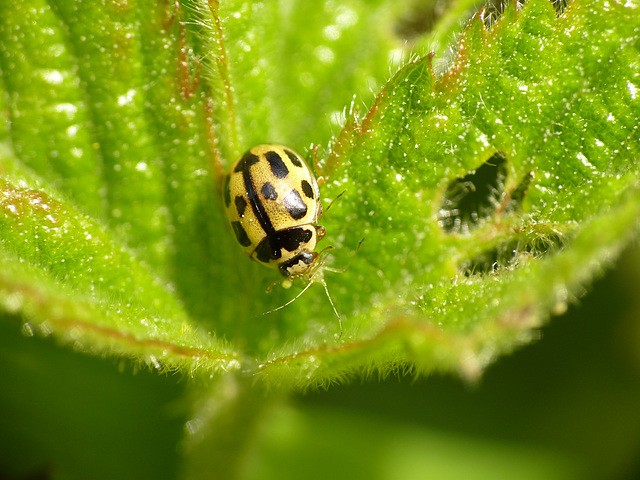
469 200
493 10
419 19
534 241
516 198
560 5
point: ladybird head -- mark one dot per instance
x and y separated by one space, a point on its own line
298 265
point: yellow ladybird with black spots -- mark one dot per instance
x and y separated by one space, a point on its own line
273 205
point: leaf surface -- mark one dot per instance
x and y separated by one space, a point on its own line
487 196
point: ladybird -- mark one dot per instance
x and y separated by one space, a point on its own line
272 204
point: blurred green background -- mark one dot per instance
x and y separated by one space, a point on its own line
564 407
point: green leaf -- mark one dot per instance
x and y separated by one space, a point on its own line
490 189
79 256
488 197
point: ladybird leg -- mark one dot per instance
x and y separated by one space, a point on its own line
317 276
344 270
324 284
286 283
323 253
290 301
320 232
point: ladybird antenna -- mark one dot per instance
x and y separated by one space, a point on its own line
290 301
324 284
334 201
344 270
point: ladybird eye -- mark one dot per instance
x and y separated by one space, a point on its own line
307 189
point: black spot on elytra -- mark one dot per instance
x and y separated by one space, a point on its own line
278 167
290 239
294 158
241 205
246 161
294 205
268 250
269 192
241 234
307 189
227 191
